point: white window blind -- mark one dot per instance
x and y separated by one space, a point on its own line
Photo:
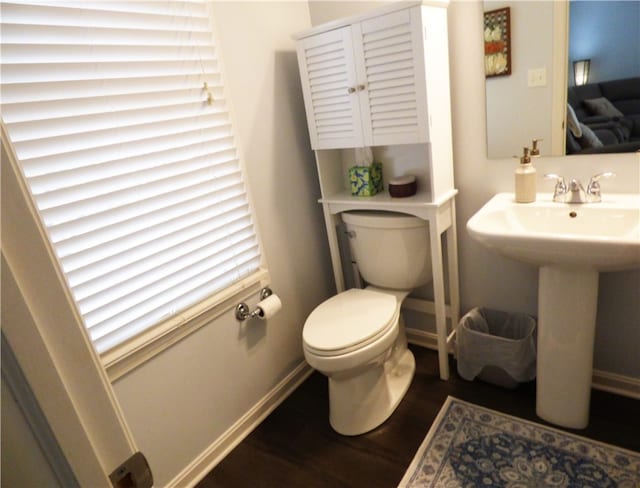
134 172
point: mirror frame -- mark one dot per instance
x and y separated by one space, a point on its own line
560 63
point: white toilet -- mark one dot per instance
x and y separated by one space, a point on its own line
357 337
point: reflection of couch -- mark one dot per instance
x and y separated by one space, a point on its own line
607 117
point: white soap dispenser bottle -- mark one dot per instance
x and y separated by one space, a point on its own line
525 179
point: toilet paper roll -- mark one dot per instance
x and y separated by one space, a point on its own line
268 307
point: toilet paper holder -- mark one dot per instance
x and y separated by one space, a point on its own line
243 312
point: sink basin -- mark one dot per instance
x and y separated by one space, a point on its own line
571 244
601 236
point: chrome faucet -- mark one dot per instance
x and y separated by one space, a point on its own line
593 188
574 192
561 186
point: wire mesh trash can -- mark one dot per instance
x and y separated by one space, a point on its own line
496 347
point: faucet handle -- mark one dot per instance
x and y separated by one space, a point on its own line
595 178
560 181
593 188
561 185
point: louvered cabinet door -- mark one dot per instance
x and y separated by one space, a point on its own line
329 86
390 62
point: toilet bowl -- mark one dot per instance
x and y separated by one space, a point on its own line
356 338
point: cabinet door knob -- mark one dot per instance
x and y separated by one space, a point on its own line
361 87
351 90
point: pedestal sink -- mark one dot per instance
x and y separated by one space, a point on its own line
571 243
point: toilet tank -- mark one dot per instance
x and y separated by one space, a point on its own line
391 249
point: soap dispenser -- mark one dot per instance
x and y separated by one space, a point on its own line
525 179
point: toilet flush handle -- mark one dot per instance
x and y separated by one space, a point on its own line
350 233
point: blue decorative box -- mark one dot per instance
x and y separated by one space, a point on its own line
366 181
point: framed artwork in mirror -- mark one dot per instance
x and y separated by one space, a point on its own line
497 42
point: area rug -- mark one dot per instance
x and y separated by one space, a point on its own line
470 446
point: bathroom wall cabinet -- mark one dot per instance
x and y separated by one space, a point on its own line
384 100
381 80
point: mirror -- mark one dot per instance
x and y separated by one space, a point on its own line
531 102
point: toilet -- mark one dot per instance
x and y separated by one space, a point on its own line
356 338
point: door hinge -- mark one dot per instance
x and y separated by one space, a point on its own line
133 473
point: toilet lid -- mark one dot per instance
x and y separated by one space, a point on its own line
348 319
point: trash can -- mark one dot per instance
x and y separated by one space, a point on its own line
497 347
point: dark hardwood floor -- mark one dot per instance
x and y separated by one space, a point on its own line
296 447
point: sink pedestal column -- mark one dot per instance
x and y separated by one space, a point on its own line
567 306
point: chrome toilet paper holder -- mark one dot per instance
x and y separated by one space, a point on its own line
243 312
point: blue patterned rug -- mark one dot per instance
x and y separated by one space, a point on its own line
470 446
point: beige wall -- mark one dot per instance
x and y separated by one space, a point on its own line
518 113
182 401
487 279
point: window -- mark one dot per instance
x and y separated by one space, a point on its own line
117 116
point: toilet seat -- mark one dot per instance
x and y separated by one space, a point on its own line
349 321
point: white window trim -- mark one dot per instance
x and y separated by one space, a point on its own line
124 358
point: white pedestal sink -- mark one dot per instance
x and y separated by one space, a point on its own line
571 243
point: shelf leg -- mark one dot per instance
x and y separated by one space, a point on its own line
331 221
452 262
438 295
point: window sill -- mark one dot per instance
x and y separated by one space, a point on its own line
135 352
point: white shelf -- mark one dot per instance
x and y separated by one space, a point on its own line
419 204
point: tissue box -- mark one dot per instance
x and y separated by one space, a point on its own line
366 181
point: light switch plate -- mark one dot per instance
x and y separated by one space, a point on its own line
537 77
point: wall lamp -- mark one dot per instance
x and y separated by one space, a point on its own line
581 71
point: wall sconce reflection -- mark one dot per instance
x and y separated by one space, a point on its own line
581 71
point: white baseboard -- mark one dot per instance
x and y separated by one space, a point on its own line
616 383
216 452
422 338
602 380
